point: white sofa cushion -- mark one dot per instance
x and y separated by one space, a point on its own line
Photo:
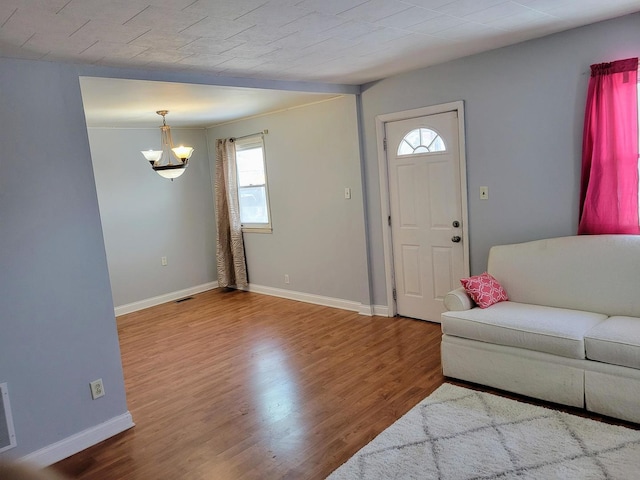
552 330
615 341
593 273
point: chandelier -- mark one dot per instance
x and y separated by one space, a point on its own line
168 169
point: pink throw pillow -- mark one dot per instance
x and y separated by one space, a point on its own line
484 289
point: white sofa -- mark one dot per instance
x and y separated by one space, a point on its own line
570 332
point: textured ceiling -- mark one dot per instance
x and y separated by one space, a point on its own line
332 41
346 42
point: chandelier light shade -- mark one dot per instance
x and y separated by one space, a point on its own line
181 154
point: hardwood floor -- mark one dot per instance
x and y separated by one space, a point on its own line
235 385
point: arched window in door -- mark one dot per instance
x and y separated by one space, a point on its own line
421 140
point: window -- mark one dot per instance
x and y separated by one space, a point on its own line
421 140
253 195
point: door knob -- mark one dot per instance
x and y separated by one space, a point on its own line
455 239
456 224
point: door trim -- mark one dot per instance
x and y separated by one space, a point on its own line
383 172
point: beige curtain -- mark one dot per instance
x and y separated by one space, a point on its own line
232 268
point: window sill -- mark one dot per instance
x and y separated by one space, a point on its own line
257 230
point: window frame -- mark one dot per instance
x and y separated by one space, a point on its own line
246 143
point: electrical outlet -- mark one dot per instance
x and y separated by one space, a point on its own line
97 389
286 278
163 261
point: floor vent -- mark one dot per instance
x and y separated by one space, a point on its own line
7 434
184 299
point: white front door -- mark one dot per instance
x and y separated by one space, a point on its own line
423 160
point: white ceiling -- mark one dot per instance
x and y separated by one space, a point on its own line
110 102
348 42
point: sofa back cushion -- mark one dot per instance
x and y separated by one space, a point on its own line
594 273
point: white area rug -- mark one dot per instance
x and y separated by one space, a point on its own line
461 434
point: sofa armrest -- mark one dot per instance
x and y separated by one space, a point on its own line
457 300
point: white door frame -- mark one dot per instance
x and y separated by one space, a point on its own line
383 170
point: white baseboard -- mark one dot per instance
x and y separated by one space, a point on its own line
362 309
380 310
167 297
76 443
306 297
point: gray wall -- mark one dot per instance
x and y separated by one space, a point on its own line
524 108
318 238
145 217
58 327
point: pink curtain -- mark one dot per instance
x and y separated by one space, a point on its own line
609 182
